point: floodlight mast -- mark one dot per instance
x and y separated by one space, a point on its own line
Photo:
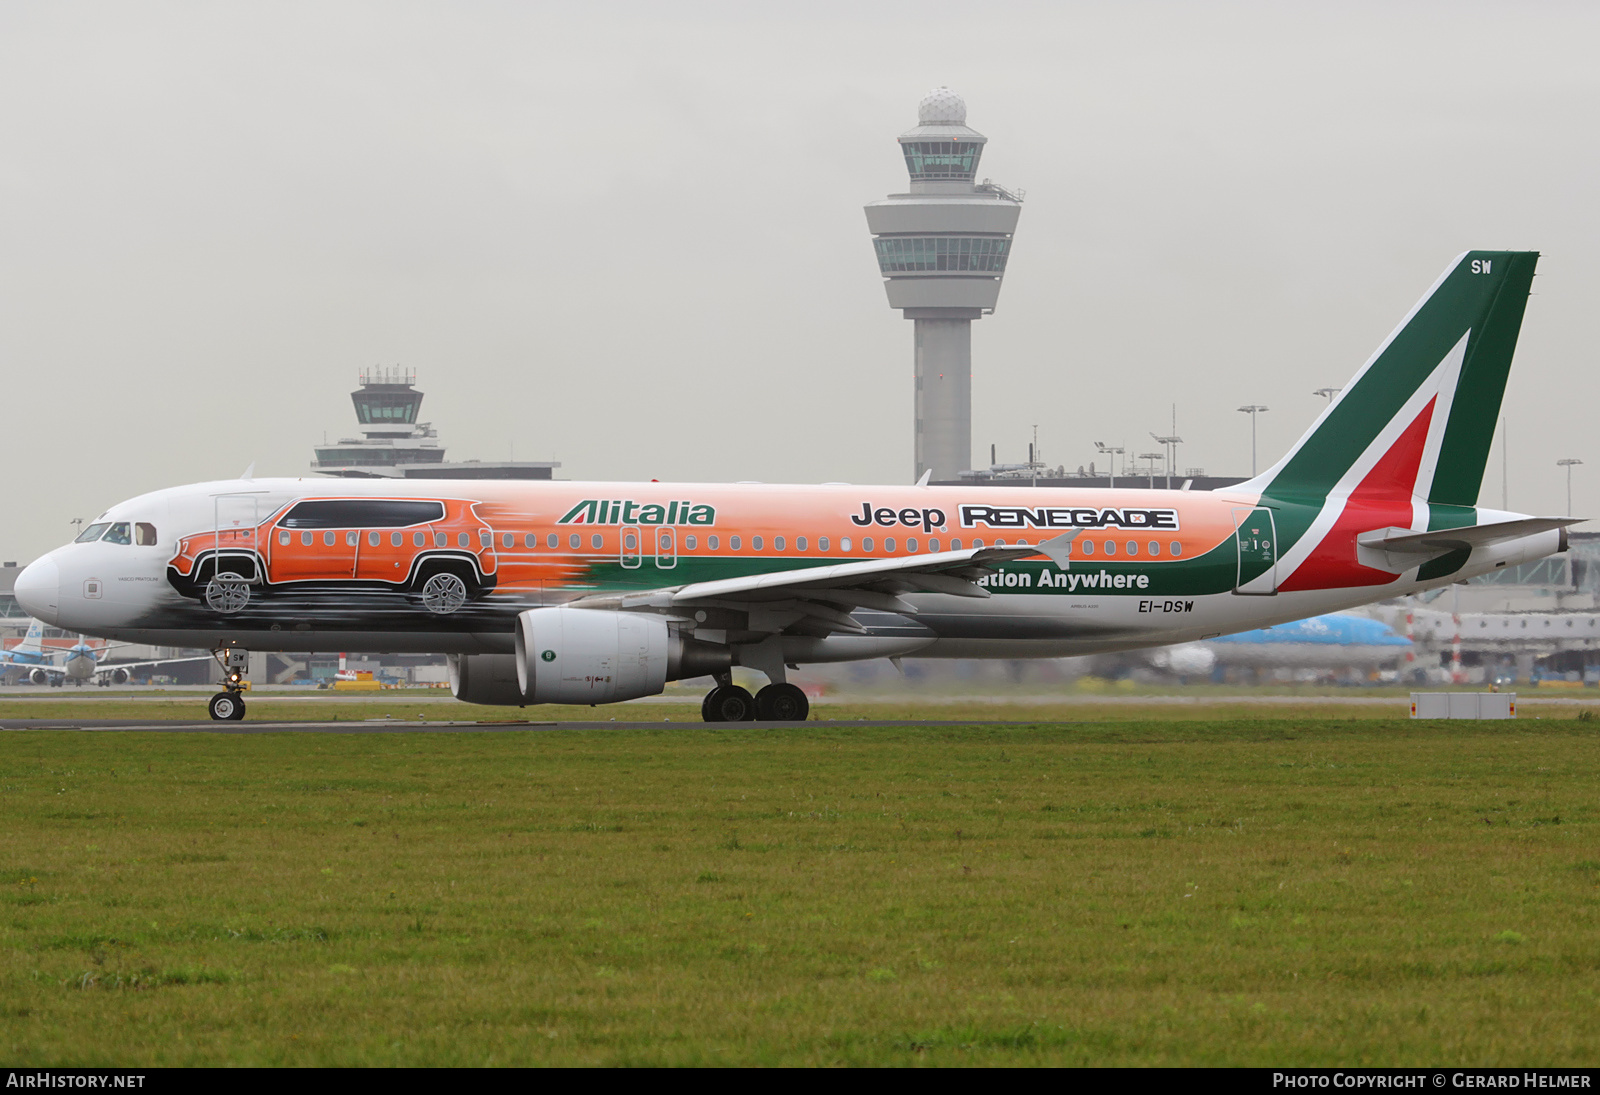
1110 450
1569 463
1253 409
942 251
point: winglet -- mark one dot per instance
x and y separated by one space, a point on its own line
250 472
927 475
1059 549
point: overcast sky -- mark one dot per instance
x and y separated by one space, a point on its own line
629 236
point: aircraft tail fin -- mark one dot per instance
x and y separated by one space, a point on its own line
33 641
1418 419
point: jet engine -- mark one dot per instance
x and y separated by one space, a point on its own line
119 676
584 656
485 678
39 676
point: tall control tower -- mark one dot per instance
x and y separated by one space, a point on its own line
942 250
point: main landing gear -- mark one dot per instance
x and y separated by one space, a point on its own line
228 705
727 702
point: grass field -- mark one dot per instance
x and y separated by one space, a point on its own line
1279 889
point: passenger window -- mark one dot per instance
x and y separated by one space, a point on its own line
822 543
799 543
396 539
118 534
144 534
507 540
596 541
351 538
329 538
712 542
888 543
1133 547
306 538
689 542
866 543
575 541
1088 547
552 541
755 543
733 543
283 537
631 541
485 538
1155 548
92 533
911 545
933 545
777 543
1176 548
530 541
1111 547
844 543
977 543
419 539
463 540
955 545
374 539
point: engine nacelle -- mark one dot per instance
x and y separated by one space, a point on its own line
39 676
120 676
485 678
578 655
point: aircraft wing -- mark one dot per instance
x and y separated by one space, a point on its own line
825 595
112 667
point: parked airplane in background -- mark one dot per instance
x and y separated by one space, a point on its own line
30 651
36 662
588 593
1337 642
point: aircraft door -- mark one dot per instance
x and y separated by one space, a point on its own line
631 539
236 519
666 538
1255 537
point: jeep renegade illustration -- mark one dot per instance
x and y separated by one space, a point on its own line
438 550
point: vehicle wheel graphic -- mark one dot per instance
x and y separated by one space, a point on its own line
227 595
443 593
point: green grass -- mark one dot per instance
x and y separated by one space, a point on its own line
1285 891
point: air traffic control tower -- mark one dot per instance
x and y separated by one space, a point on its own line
942 250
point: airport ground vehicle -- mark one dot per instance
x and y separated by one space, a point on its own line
605 591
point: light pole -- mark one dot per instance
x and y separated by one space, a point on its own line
1110 450
1325 393
1171 442
1252 409
1569 463
1152 457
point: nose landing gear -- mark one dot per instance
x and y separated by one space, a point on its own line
228 705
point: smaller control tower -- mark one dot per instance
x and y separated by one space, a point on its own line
397 446
942 250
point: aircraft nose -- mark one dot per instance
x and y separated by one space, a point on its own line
38 589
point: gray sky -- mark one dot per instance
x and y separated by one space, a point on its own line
629 236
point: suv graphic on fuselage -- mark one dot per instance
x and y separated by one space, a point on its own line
438 548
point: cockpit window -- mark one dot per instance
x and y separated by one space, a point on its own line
144 534
118 534
92 533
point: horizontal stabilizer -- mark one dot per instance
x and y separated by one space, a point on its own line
1401 541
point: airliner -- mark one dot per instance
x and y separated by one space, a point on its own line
82 663
592 593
